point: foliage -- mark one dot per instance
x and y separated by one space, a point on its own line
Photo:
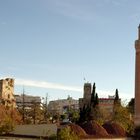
73 115
98 115
137 132
131 105
36 112
53 137
9 117
6 126
93 95
67 134
85 113
32 115
63 116
92 111
56 117
116 100
95 112
96 100
121 115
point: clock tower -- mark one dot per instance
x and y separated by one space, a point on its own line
85 101
87 93
137 80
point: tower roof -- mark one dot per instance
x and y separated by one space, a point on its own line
139 32
87 84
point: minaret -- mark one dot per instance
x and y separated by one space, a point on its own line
137 80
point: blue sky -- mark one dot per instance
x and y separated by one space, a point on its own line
49 46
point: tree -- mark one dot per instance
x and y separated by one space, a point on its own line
67 134
9 117
116 100
73 115
89 112
94 108
131 105
85 113
56 117
45 107
96 100
92 102
35 112
98 115
63 116
121 115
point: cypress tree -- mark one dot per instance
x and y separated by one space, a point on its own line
116 100
94 88
93 95
85 113
96 99
116 94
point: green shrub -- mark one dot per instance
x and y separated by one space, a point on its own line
67 134
7 126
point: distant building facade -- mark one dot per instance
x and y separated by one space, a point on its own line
104 103
26 100
62 106
7 92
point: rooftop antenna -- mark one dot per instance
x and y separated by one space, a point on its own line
46 100
84 79
46 107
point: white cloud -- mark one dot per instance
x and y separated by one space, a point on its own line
44 84
49 85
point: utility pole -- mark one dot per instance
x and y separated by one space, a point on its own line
23 106
34 112
45 106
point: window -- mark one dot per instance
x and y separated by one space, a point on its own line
8 96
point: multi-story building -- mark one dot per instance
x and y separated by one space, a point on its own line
62 106
7 92
106 104
26 100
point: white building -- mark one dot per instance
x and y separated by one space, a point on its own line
62 106
26 100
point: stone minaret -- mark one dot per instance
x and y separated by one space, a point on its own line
137 80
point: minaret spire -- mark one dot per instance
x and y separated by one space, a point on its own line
137 42
139 32
137 80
